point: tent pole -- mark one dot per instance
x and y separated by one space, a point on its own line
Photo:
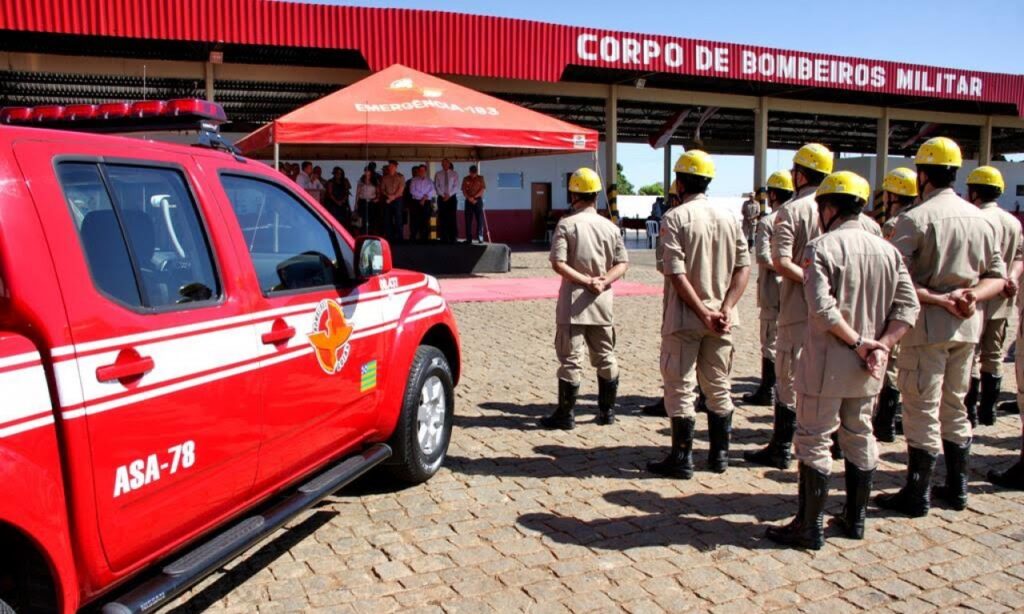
277 155
483 214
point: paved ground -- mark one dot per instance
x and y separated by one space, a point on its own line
527 520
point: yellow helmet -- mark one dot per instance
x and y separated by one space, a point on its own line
814 156
902 181
987 175
939 151
585 181
696 162
781 180
845 182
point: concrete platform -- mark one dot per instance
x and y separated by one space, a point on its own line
458 259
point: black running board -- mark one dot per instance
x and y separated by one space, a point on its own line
179 575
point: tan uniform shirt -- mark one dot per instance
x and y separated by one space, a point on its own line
767 279
946 244
858 277
1009 236
473 186
750 212
795 226
392 186
706 244
591 245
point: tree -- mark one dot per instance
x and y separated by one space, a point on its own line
621 183
653 189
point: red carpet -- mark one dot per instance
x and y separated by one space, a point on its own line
480 289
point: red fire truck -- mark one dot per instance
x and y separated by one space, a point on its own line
192 352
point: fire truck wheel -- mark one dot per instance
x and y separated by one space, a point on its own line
420 440
6 609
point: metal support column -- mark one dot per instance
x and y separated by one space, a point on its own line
761 142
611 143
881 149
668 178
985 142
208 71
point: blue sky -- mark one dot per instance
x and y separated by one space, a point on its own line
979 36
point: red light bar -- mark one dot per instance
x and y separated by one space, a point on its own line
48 113
148 108
195 106
78 112
9 115
114 110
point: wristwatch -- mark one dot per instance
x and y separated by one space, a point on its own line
856 344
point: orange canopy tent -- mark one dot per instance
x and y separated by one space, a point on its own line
400 113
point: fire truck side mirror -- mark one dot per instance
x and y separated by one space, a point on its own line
374 256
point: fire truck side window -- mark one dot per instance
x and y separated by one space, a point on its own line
291 248
141 234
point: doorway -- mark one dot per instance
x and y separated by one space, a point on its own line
540 204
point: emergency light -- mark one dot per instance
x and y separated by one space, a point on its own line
180 114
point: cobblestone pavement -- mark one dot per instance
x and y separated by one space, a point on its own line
527 520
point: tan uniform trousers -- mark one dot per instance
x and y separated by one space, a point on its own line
1018 363
787 353
991 349
933 382
599 340
769 335
818 417
890 367
690 357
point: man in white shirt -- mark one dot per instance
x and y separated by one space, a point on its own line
309 183
446 184
421 204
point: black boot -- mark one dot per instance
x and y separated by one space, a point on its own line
805 530
1009 407
954 492
777 453
884 421
855 511
990 385
719 432
1012 477
914 499
607 390
836 450
656 409
971 401
563 418
679 462
763 395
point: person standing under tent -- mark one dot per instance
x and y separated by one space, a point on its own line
446 184
392 190
366 201
421 201
473 188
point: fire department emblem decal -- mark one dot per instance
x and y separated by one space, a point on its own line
330 336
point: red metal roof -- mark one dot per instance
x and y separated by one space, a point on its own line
479 45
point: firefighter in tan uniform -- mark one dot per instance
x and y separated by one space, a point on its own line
588 253
952 253
796 224
899 193
1013 476
984 185
780 190
708 264
860 301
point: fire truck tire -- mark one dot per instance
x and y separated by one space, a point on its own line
6 609
420 440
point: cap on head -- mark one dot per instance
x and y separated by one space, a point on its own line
987 175
585 181
902 181
939 151
781 180
696 162
814 156
845 182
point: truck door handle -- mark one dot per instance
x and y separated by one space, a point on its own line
278 335
124 370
